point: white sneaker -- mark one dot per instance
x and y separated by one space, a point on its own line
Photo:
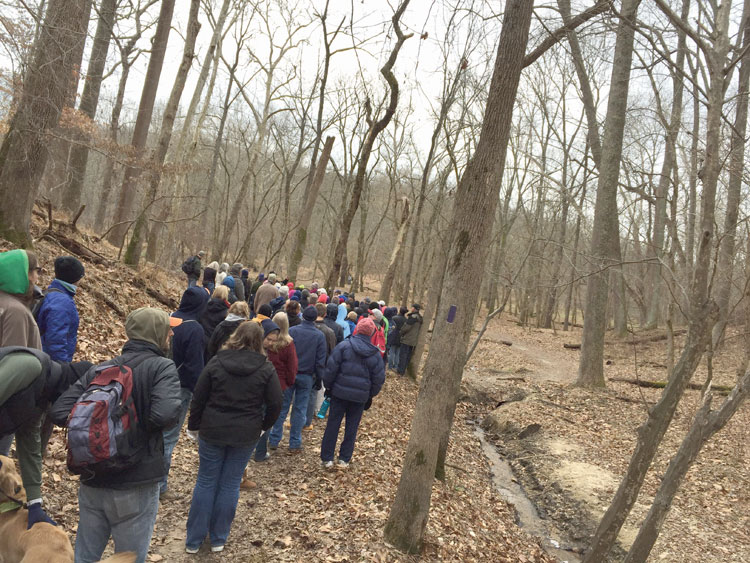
327 464
217 548
343 464
191 550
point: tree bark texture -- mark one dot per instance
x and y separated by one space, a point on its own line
129 188
605 236
133 254
476 202
79 152
49 83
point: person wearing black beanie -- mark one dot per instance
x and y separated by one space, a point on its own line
57 317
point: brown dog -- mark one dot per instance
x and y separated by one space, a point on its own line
43 543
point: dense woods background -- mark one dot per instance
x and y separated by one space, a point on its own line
592 172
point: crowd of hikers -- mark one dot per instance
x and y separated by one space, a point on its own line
234 359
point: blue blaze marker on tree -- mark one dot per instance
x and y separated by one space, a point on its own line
451 314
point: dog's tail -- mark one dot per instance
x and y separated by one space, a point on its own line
124 557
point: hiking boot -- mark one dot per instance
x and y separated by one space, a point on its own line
308 427
247 484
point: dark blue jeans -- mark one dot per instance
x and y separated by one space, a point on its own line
299 393
404 355
216 492
336 413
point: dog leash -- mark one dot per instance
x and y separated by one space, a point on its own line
11 505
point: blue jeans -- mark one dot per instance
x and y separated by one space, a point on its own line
393 356
128 515
172 436
336 413
404 355
216 492
5 443
301 391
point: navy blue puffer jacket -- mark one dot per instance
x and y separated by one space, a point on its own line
355 370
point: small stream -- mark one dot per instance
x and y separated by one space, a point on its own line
526 514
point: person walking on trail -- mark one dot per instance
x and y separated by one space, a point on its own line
239 312
226 418
409 337
265 294
393 340
188 346
310 345
331 320
354 375
123 504
209 276
57 317
19 272
192 268
239 285
29 382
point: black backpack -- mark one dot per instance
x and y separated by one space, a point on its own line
188 266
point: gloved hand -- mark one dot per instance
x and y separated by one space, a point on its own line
193 435
368 404
37 514
318 385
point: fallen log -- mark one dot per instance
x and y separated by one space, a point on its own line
169 302
640 340
75 247
720 389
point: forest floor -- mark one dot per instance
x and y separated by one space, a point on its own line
569 447
569 466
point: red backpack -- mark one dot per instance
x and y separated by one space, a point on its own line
103 428
378 339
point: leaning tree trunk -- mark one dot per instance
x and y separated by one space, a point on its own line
79 152
339 254
142 124
702 313
476 201
605 236
133 254
48 84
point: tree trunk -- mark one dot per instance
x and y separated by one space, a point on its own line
702 314
705 424
476 202
725 266
605 236
654 283
339 254
390 274
133 254
79 152
129 187
48 85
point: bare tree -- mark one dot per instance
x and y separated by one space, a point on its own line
49 84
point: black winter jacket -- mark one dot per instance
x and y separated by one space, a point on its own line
332 311
215 312
156 394
220 336
28 405
227 405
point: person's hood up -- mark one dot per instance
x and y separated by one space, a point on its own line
390 312
14 272
342 312
193 303
362 346
149 325
240 363
332 311
229 282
